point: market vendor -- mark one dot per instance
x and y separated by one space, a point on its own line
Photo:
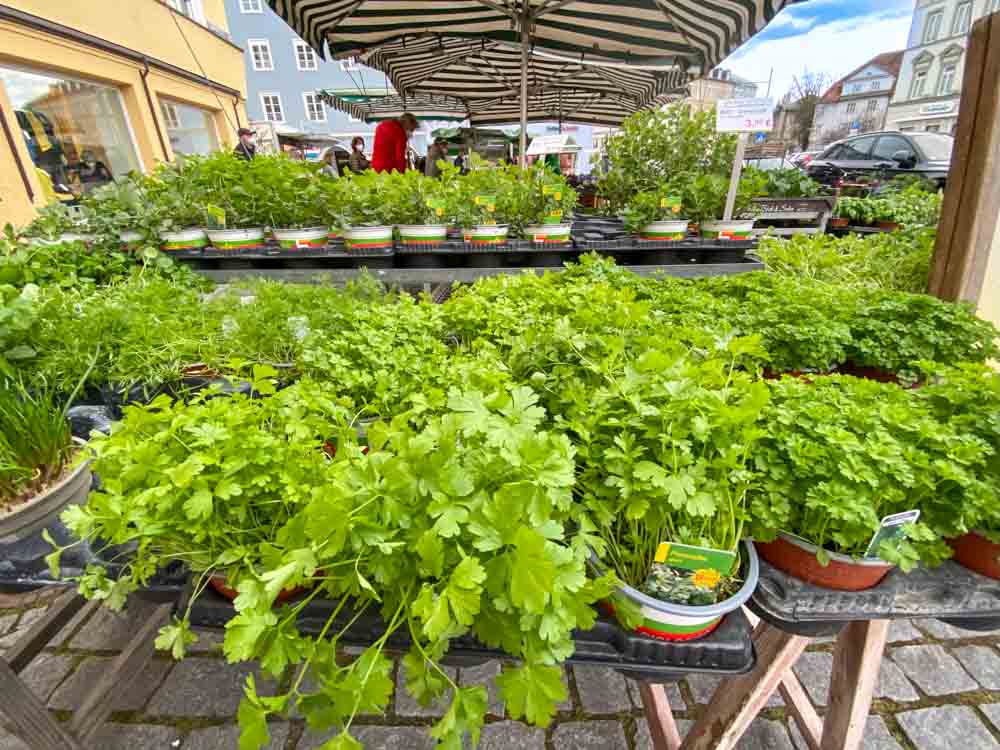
389 151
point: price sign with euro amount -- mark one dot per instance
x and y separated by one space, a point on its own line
744 115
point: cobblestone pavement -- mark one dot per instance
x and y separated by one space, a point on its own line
939 689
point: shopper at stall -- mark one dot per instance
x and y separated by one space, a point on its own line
438 151
357 161
245 149
389 151
330 167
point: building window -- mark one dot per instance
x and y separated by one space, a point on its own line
260 53
315 111
305 56
917 88
349 64
76 132
251 6
271 104
852 108
191 130
876 85
933 28
872 105
963 17
947 80
995 6
190 8
933 129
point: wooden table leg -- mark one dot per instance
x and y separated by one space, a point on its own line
31 720
856 661
739 699
659 715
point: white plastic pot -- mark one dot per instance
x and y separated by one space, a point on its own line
487 234
130 239
368 238
236 239
549 234
301 239
727 230
664 231
187 239
679 622
422 234
333 234
75 237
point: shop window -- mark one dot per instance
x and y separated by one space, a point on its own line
260 54
191 130
305 56
76 132
315 111
271 104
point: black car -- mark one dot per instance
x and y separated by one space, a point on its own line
883 156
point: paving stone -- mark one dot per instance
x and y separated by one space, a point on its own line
589 735
876 737
946 728
29 617
7 622
485 674
72 692
764 734
933 670
813 670
11 638
983 663
10 742
204 687
110 631
135 736
61 638
407 706
511 735
221 738
672 690
944 631
374 738
643 739
209 641
992 711
903 630
602 690
565 706
45 673
703 688
892 684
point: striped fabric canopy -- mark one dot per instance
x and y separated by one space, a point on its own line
556 105
469 69
685 33
378 108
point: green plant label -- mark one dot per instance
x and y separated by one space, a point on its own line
553 217
552 190
437 205
685 574
671 202
892 529
489 201
217 216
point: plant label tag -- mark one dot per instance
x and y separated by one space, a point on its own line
490 201
437 205
217 215
891 529
553 191
554 217
671 202
684 574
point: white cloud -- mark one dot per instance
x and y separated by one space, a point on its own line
835 48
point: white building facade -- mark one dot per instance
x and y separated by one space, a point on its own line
857 103
930 81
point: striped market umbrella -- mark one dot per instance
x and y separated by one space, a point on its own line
369 108
555 105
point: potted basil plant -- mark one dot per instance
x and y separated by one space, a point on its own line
656 216
296 213
705 203
416 206
367 214
552 201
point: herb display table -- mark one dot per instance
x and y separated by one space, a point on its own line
791 614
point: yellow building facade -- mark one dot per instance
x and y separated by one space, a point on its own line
91 89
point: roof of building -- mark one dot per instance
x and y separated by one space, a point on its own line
888 61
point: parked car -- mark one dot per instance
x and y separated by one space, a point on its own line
802 159
769 164
882 156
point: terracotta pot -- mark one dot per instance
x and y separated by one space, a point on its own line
890 226
977 553
798 558
869 373
805 376
199 370
839 222
219 584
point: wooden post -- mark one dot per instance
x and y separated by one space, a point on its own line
659 715
970 227
734 178
856 661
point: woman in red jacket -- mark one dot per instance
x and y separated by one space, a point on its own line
389 151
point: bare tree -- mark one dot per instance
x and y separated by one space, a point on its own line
807 89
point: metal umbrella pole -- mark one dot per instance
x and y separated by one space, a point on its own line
525 18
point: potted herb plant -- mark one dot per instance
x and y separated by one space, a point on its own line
417 206
705 203
57 224
296 213
657 215
884 213
482 200
366 211
552 201
41 471
176 204
236 196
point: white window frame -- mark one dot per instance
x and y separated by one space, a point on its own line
297 46
918 86
170 117
876 85
963 17
251 6
320 106
937 17
994 7
947 68
263 106
193 9
872 105
349 64
852 108
266 44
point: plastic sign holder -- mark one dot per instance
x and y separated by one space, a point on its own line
743 116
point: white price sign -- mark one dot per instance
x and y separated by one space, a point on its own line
744 115
549 144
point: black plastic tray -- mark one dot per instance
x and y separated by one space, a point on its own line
726 651
949 592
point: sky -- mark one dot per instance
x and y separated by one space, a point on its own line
821 36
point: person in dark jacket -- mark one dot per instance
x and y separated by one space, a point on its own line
245 149
357 161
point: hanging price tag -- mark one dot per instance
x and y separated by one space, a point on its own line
671 202
489 201
892 529
217 215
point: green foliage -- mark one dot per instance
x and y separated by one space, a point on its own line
53 220
705 195
18 315
788 183
911 206
654 146
655 205
413 198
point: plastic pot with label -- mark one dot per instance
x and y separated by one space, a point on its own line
664 231
797 557
186 239
370 239
236 239
727 230
313 238
487 234
428 235
549 234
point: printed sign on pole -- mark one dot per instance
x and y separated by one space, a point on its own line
549 144
744 115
